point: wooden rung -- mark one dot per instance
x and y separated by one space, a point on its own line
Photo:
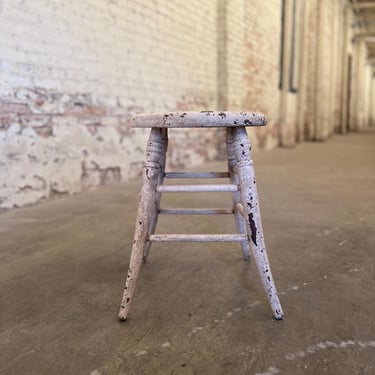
198 237
196 211
196 188
196 175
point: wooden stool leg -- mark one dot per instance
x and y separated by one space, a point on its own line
240 221
151 172
155 212
249 197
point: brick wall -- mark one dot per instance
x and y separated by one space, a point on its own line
152 53
262 67
72 72
249 62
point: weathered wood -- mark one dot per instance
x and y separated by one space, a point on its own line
236 197
155 209
198 237
250 203
204 119
196 175
196 188
197 211
151 173
242 185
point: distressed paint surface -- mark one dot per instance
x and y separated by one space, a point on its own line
146 213
250 203
203 119
236 196
156 210
55 144
242 185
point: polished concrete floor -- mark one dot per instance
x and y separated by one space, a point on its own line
199 308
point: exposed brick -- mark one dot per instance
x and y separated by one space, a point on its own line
72 74
12 107
84 109
6 119
44 131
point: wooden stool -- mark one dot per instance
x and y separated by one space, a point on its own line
242 185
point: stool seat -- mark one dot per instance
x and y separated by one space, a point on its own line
241 184
203 119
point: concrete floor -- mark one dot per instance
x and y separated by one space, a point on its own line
199 308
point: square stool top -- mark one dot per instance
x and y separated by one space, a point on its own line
203 119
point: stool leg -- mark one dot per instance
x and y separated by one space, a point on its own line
151 172
249 197
236 196
155 213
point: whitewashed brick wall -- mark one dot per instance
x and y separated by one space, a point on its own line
153 53
262 66
72 71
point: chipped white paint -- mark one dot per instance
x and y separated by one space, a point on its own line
250 203
182 175
140 353
166 344
242 184
197 238
229 313
342 242
156 211
196 188
203 119
236 196
196 211
145 214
